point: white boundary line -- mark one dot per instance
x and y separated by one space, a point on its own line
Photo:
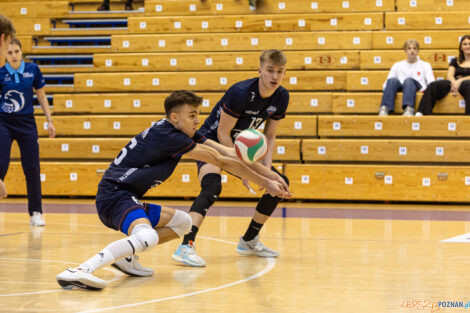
270 266
117 275
271 263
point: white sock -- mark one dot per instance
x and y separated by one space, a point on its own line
113 252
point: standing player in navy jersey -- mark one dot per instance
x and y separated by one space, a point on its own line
145 162
6 33
18 80
247 104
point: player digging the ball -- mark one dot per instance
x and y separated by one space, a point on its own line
145 162
246 104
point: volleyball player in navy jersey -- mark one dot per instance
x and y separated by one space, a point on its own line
247 104
18 81
145 162
6 33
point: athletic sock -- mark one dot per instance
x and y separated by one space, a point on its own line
252 230
191 236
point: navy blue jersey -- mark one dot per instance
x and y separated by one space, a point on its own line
17 88
150 157
243 101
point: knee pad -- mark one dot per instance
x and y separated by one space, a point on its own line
143 237
180 223
211 188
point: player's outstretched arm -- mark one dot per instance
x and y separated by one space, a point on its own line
257 167
3 190
233 165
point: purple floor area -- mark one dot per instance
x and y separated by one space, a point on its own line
287 211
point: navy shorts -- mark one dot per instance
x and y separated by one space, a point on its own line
118 208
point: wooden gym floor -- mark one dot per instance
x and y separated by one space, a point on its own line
334 258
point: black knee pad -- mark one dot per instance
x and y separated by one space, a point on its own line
211 188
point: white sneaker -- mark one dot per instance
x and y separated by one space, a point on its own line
74 277
409 111
130 266
255 247
419 114
36 219
187 255
383 111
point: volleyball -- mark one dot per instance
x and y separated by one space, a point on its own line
250 145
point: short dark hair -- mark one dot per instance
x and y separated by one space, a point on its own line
180 97
6 27
16 41
276 56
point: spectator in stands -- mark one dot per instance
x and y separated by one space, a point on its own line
246 104
458 81
105 6
17 80
6 32
410 75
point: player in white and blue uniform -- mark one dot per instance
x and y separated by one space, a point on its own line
18 80
247 104
145 162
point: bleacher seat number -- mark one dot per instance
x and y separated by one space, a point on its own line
321 150
364 149
143 25
268 23
23 11
467 180
108 62
43 177
185 178
206 103
388 179
440 151
333 22
450 3
161 43
426 182
136 103
413 3
95 149
192 7
155 82
281 150
378 125
345 4
158 8
223 80
293 81
348 180
107 103
308 60
451 126
314 102
301 23
68 104
254 41
314 5
37 27
438 20
379 3
350 103
64 147
402 150
73 176
282 5
305 179
415 126
204 25
367 21
223 178
336 126
177 25
208 61
239 61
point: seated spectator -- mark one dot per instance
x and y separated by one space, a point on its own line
458 81
105 6
410 75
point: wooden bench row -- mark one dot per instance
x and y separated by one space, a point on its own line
335 40
299 102
220 81
307 181
292 150
296 60
195 7
324 126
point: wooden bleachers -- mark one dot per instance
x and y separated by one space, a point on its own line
435 5
195 7
33 9
339 54
386 150
344 40
380 182
393 126
217 61
373 80
256 23
216 81
426 20
107 148
368 103
82 178
130 125
138 103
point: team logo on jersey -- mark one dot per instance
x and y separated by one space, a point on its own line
252 96
27 75
14 101
270 110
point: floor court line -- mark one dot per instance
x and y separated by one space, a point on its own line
269 267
